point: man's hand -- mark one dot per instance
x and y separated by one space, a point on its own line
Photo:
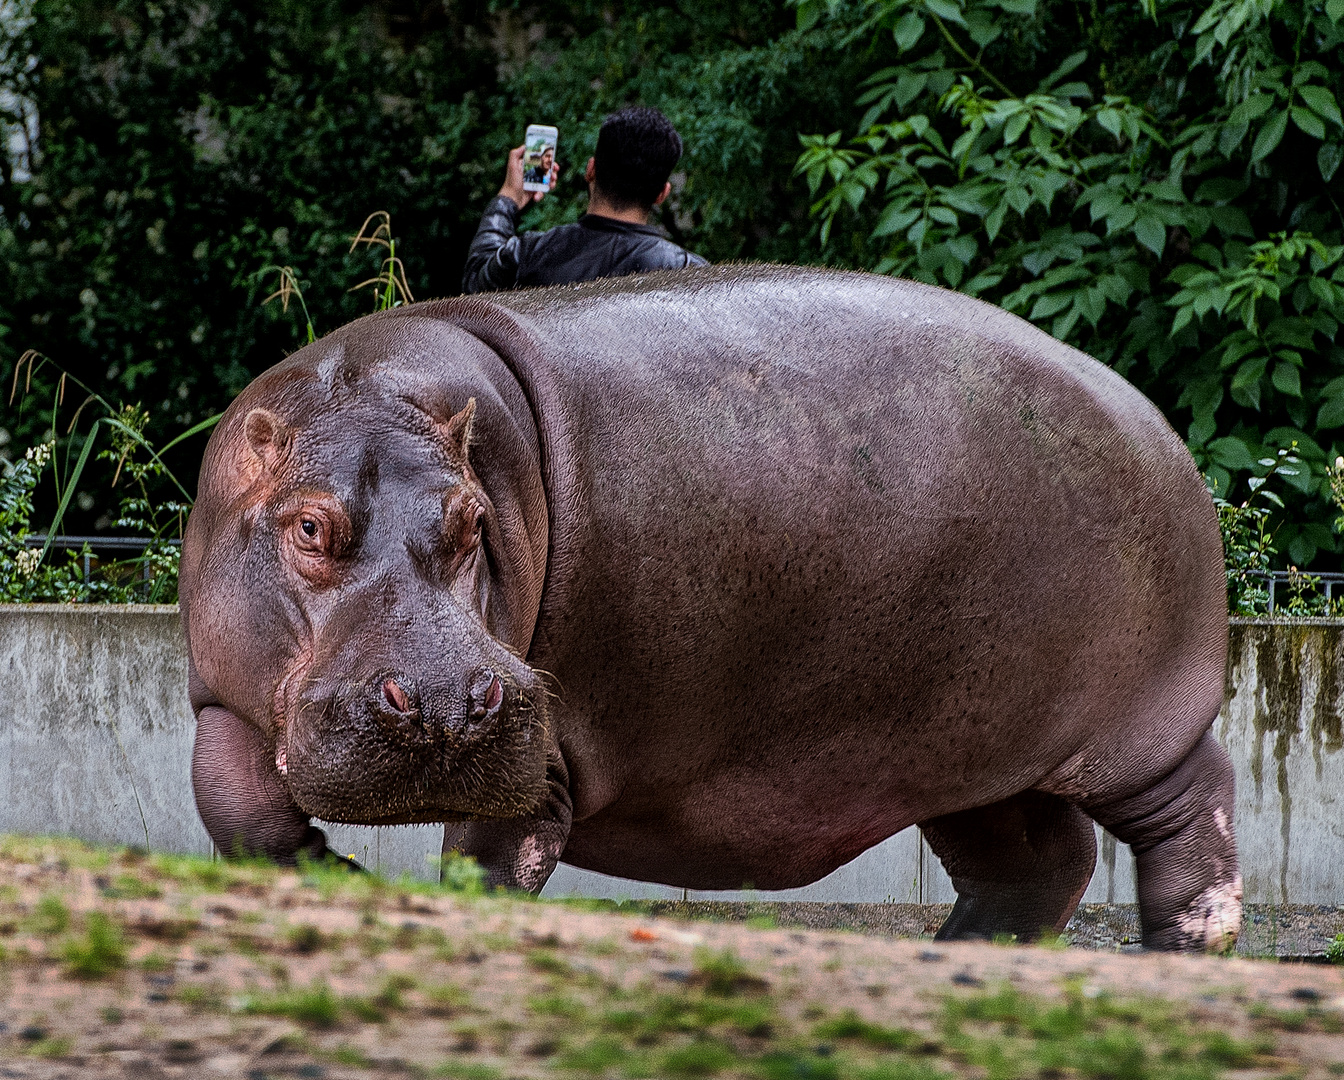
513 181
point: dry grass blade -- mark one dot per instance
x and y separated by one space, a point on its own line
27 359
381 234
289 287
75 419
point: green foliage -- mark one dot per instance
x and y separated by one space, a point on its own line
1153 182
1334 952
462 874
189 155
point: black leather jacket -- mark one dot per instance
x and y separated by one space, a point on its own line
593 247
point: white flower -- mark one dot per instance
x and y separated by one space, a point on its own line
26 561
40 454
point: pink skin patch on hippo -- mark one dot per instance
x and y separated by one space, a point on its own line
281 760
536 858
1213 921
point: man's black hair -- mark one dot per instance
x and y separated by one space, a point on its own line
637 149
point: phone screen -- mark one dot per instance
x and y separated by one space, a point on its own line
538 157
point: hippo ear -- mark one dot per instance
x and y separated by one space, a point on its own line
455 432
268 436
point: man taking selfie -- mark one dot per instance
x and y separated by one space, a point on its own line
637 149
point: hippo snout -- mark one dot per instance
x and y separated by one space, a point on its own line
397 745
413 712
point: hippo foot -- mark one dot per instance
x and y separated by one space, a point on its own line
1019 866
1181 832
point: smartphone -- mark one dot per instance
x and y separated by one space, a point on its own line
538 156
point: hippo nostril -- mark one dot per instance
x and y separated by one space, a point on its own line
396 696
487 692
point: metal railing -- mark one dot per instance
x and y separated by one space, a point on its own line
1277 578
99 543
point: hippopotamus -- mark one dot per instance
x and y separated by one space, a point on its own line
717 577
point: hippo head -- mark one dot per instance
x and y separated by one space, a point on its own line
361 574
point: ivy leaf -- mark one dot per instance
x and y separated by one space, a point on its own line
1270 136
1334 9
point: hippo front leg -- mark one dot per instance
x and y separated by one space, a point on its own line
245 805
520 853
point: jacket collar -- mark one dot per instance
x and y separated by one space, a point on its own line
606 224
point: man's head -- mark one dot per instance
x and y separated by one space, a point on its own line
637 149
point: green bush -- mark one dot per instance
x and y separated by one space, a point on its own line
1153 181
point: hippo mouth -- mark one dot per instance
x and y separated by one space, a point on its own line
387 751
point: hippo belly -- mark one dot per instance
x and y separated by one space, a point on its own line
824 555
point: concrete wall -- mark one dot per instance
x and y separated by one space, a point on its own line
97 744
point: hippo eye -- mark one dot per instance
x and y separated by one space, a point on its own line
309 527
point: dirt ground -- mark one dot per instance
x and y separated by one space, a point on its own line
120 965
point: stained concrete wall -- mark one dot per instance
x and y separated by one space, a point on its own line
97 743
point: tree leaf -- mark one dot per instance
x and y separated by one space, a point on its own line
946 9
1270 136
1287 379
1321 100
1328 157
1231 453
1331 414
908 30
1309 122
1151 233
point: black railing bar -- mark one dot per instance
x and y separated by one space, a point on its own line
112 543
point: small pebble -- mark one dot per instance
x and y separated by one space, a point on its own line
33 1033
1305 993
965 978
928 956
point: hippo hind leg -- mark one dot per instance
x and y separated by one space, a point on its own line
1019 866
1180 829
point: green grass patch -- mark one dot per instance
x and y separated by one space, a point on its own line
50 916
849 1025
315 1006
704 1058
724 975
466 1070
546 960
98 952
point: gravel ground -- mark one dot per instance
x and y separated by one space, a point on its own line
1299 932
120 965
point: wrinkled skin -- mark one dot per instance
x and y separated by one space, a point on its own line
715 578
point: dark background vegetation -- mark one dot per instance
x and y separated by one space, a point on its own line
183 146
